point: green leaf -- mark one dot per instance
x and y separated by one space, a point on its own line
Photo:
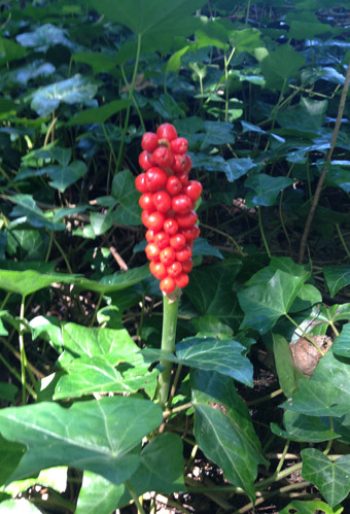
236 168
331 478
128 211
306 26
223 356
76 90
98 495
155 18
29 281
266 189
111 344
11 453
280 65
99 114
332 377
116 282
99 435
284 364
264 302
310 507
309 429
203 247
161 470
100 62
305 118
338 177
342 342
27 210
10 51
97 375
211 290
43 37
64 176
15 506
224 431
337 277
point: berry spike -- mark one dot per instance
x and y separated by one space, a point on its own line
167 202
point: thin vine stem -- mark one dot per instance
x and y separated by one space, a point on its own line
131 93
262 233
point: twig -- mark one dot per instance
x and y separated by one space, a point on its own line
118 258
325 167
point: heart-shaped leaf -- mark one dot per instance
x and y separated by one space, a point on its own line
266 189
331 478
336 277
100 436
264 302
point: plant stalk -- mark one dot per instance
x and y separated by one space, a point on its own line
170 312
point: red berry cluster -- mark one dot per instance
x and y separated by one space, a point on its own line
167 200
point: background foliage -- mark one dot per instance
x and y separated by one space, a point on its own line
255 87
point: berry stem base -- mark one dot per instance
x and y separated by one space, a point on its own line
170 312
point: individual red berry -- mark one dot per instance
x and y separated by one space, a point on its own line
140 183
187 266
173 186
191 233
183 177
161 201
149 141
182 204
167 285
179 145
194 190
150 235
146 202
182 280
152 251
167 131
145 160
175 269
167 256
182 163
158 270
171 226
163 157
155 179
187 220
154 220
184 255
161 240
178 242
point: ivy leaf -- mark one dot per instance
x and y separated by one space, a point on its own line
266 189
342 342
76 90
64 176
223 429
310 507
77 437
284 365
116 282
29 281
337 277
265 302
128 211
331 478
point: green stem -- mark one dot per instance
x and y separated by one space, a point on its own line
131 94
22 350
262 233
170 312
133 494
